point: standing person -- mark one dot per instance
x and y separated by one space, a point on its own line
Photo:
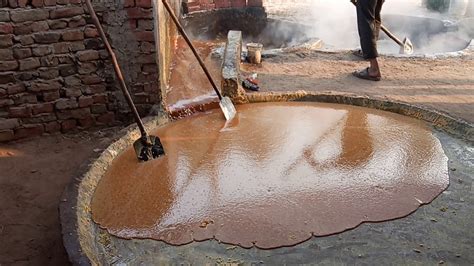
369 22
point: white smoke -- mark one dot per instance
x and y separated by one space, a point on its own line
334 21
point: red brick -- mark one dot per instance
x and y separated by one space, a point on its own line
50 96
17 3
62 104
137 13
49 2
238 3
146 36
30 27
6 135
37 3
145 24
151 88
94 89
191 6
29 63
15 88
68 125
22 98
141 97
223 3
143 3
81 113
107 118
22 3
255 3
23 15
87 122
45 85
57 24
52 127
46 37
91 32
6 102
91 79
21 53
101 98
208 6
87 68
42 108
6 55
87 55
77 22
145 59
147 47
6 41
8 124
98 108
8 65
66 12
19 112
6 28
150 68
6 77
29 131
133 23
73 35
128 3
85 101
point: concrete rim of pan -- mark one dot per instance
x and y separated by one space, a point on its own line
76 222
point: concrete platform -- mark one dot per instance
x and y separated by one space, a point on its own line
438 233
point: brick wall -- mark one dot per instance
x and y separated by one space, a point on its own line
55 75
190 6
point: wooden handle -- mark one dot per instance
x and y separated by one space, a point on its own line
117 69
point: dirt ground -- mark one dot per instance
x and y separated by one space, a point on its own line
33 175
34 172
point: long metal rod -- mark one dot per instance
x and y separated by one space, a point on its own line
186 38
117 69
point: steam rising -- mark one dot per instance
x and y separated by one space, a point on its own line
334 22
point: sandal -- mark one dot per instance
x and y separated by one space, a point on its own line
364 74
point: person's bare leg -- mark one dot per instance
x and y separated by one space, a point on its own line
368 21
374 69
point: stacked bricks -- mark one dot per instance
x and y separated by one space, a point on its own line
55 75
190 6
142 63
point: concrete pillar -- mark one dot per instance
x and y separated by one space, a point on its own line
231 83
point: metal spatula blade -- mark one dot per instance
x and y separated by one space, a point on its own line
148 148
228 108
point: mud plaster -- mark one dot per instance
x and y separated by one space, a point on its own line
282 173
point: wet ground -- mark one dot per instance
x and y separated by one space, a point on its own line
280 174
